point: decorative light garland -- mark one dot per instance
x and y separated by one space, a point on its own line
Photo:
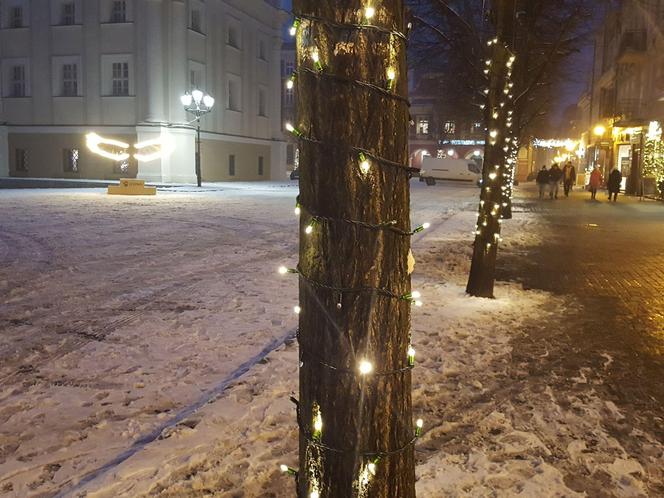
312 433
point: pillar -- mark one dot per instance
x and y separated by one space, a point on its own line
155 75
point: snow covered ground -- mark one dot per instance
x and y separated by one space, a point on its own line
146 349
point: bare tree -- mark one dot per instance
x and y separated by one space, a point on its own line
542 34
354 409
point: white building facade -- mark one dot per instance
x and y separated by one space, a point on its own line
117 68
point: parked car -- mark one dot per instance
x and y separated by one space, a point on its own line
458 170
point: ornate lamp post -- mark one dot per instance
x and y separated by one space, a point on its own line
198 104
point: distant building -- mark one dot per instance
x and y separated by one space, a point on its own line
439 129
118 68
288 101
625 103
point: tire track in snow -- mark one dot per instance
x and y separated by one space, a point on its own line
209 397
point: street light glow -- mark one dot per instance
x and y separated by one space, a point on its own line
599 130
197 95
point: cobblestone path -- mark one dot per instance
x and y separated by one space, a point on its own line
609 259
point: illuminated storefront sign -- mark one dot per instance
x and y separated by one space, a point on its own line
461 142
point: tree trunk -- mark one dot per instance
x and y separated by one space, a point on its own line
354 280
494 175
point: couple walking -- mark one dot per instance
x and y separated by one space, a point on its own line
613 185
552 177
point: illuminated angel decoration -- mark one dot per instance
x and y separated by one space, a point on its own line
116 150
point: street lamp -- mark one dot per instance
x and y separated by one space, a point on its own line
599 130
198 104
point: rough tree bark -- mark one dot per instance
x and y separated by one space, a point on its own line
485 250
338 329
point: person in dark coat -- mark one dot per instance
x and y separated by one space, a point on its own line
555 175
569 177
615 179
542 181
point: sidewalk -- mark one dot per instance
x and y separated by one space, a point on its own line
609 257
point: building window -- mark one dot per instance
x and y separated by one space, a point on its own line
290 154
233 95
16 17
67 14
449 127
69 80
261 50
195 20
423 127
231 165
70 160
260 166
120 78
288 96
233 38
18 81
193 79
261 103
119 11
21 160
289 69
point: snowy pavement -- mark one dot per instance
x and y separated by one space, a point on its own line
146 349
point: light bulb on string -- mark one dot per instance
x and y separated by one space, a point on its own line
293 29
365 166
316 58
287 470
411 356
369 12
391 76
309 229
291 129
365 367
297 310
419 424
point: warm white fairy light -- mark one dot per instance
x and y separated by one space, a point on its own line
365 367
290 83
309 229
297 310
426 225
284 468
298 210
283 270
419 424
411 356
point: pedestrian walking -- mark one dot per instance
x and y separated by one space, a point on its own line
615 179
569 177
555 175
595 182
542 181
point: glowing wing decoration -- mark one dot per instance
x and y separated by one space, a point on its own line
146 151
94 143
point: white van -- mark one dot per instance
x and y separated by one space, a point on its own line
459 170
